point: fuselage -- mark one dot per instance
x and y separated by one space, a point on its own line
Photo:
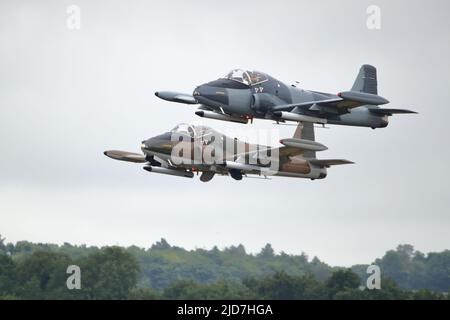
201 148
253 94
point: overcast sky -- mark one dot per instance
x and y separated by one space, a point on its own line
68 95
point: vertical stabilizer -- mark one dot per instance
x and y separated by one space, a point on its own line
366 81
305 130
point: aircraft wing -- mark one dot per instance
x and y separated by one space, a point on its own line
125 156
290 107
341 101
284 151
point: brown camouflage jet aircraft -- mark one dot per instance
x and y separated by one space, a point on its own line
189 149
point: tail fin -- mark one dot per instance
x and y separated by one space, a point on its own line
305 130
366 81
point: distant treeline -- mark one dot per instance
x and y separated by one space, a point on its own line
38 271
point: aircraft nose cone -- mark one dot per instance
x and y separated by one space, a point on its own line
207 94
197 91
147 144
152 144
161 143
205 90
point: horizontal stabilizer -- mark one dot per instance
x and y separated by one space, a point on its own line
303 144
363 97
390 112
125 156
329 162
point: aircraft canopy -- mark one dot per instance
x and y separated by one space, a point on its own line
190 130
247 77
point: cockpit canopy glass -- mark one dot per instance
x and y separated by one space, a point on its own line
247 77
190 130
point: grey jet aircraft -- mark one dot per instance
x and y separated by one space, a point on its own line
243 95
183 151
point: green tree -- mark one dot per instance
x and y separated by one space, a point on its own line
389 291
8 276
162 244
267 251
110 273
425 294
283 286
437 271
43 276
143 294
189 290
2 244
342 280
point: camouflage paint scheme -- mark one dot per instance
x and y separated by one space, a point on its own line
159 156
